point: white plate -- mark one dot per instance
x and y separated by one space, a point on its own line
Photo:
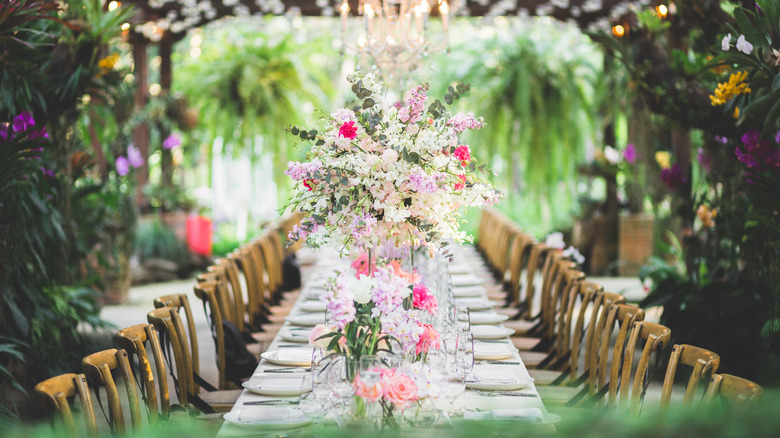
475 303
493 351
498 378
267 417
281 385
466 280
477 318
485 331
312 306
468 291
299 336
459 268
306 319
297 357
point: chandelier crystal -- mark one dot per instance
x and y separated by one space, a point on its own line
395 33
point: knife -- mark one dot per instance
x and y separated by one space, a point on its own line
270 402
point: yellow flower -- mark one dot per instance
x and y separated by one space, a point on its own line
706 216
107 64
664 159
727 90
736 113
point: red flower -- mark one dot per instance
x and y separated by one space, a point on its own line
348 130
463 153
309 184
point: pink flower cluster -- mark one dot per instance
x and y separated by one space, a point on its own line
301 171
363 226
463 121
360 265
415 104
410 278
428 339
422 183
460 184
390 291
341 306
134 158
424 299
394 386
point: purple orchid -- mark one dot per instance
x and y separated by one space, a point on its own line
629 154
23 122
134 157
122 166
171 142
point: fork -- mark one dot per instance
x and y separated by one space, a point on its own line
505 394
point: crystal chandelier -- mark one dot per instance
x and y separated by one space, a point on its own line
395 33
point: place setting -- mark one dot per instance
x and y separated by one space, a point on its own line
307 319
297 357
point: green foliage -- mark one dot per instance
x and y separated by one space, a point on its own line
534 84
154 240
247 84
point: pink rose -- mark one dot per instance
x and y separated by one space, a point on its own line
463 153
317 332
400 390
370 393
423 299
348 130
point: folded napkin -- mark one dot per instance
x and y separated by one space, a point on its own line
296 354
278 382
494 375
264 415
533 414
482 348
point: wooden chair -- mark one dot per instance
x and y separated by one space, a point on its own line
98 368
636 379
585 297
251 268
700 362
736 392
134 340
181 303
57 390
167 322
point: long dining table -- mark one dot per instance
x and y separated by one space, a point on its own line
497 362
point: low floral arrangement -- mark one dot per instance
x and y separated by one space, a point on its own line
366 311
388 173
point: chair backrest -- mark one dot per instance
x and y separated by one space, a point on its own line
595 333
180 303
250 262
701 364
537 260
624 316
98 368
555 292
519 253
656 338
167 322
738 392
212 293
273 264
134 339
57 390
586 297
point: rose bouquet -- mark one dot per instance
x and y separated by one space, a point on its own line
387 173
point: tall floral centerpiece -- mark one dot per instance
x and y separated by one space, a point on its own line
380 177
388 173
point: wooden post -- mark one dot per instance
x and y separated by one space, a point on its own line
166 162
141 131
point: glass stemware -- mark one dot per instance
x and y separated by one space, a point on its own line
454 387
312 408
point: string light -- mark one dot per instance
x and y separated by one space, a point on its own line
618 30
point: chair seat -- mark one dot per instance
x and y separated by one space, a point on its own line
524 344
543 377
557 395
521 326
221 401
531 359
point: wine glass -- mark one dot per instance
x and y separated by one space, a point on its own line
454 386
464 360
312 408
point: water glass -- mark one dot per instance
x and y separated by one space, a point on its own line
312 408
454 387
370 369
